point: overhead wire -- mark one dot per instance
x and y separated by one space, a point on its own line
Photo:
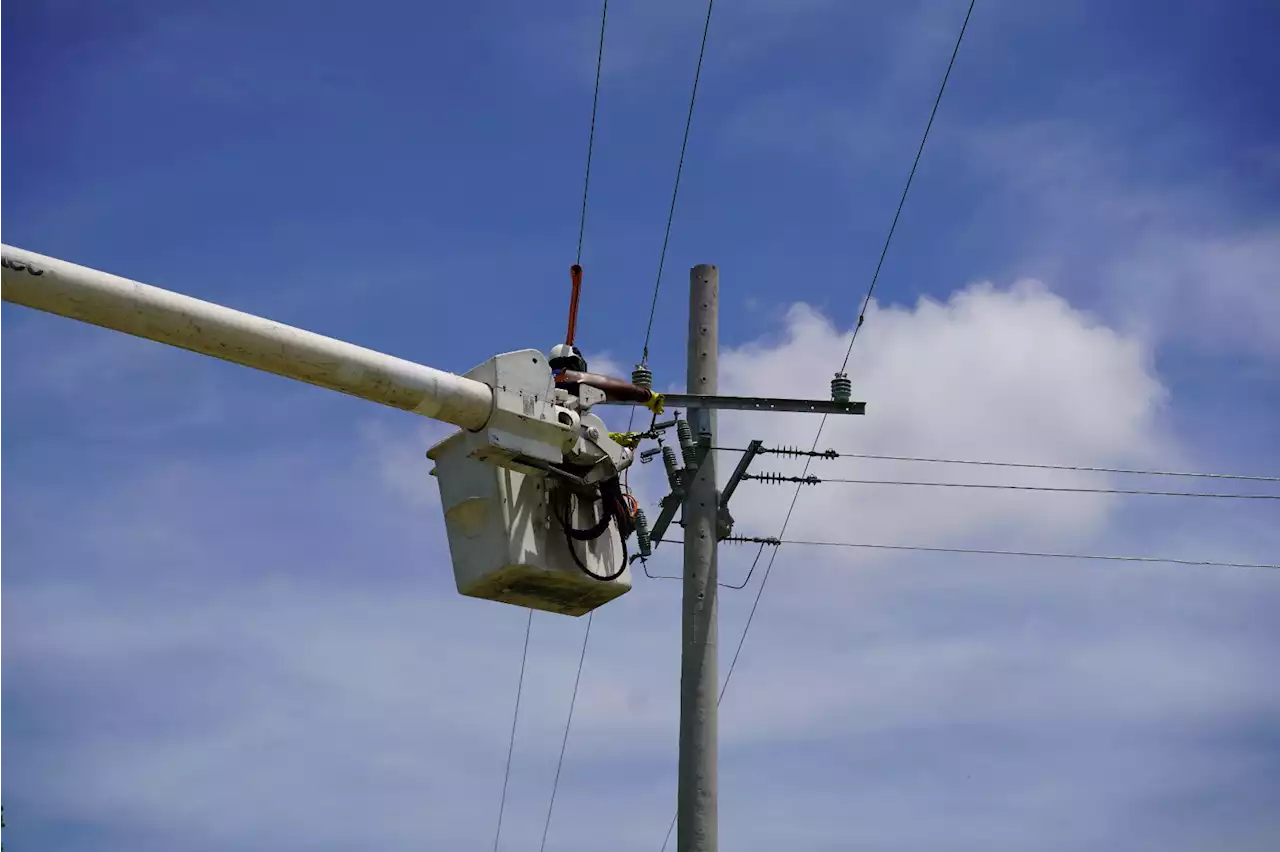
915 164
814 480
764 580
832 454
564 742
591 136
581 230
977 551
515 716
675 190
666 237
586 636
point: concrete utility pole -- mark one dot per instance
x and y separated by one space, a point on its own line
696 809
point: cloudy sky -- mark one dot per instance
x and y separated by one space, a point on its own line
229 617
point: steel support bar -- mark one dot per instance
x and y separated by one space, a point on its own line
670 504
77 292
753 449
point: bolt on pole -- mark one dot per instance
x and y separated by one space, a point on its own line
696 808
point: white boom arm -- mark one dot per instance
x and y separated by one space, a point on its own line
77 292
507 478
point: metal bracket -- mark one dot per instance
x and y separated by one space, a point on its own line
724 521
670 504
673 501
702 447
755 403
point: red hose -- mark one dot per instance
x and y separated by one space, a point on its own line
575 273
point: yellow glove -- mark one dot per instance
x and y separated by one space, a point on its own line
655 402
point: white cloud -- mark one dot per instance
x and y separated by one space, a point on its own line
1012 374
1170 262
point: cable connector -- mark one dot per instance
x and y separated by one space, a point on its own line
778 479
796 452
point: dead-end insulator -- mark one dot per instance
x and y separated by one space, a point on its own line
642 377
778 478
841 388
773 541
796 452
643 542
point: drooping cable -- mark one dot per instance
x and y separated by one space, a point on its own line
614 509
604 578
735 586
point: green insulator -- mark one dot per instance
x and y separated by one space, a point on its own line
642 377
672 465
688 449
841 388
642 534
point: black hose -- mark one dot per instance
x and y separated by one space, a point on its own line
614 510
590 533
603 578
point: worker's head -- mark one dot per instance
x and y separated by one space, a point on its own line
565 356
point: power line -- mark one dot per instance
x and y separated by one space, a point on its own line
555 785
662 256
764 580
832 454
591 137
1164 560
893 226
586 635
814 480
671 214
675 190
515 716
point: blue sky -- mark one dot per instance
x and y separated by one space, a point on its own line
230 620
